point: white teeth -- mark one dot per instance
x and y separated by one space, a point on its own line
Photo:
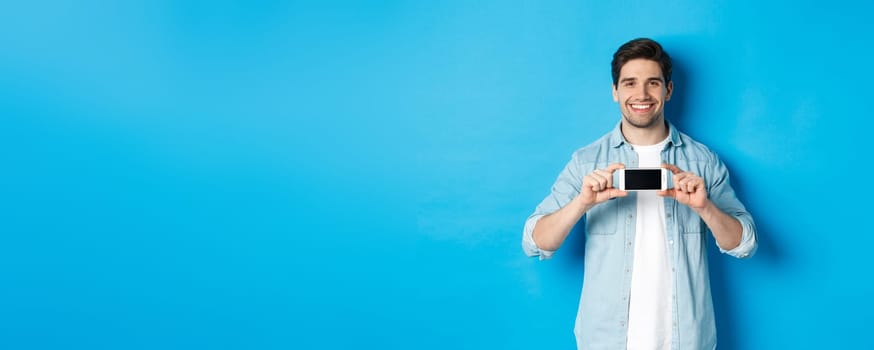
640 106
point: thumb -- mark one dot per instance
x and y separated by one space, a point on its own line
667 193
614 192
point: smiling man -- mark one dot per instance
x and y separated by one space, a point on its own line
646 283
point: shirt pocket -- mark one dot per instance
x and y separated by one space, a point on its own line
688 222
603 218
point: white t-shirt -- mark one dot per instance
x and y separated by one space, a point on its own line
650 305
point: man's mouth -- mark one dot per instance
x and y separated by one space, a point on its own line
641 107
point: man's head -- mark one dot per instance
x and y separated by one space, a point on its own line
642 82
641 48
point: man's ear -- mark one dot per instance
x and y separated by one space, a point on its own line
670 88
615 94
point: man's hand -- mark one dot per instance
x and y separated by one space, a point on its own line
688 188
598 186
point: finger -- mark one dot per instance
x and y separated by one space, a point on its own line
613 167
602 181
607 176
673 168
687 186
681 185
587 183
603 177
678 179
598 181
697 185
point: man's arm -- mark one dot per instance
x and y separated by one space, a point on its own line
597 187
728 230
552 229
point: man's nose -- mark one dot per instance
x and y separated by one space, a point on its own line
641 90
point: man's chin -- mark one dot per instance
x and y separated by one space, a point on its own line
643 123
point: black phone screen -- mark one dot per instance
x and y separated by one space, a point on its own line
643 179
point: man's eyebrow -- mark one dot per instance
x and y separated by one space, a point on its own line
627 79
656 78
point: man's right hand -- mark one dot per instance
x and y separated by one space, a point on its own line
598 186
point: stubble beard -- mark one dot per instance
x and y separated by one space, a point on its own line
642 123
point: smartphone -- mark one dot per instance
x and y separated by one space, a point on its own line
643 179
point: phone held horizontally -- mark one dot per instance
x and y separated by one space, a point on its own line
643 179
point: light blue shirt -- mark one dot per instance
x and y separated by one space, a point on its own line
602 318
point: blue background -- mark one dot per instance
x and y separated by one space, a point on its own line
334 175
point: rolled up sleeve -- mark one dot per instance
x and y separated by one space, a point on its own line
565 188
748 243
528 244
723 195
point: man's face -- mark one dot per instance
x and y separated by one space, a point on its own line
641 93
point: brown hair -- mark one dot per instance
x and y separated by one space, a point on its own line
641 48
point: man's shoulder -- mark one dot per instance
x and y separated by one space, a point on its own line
692 147
591 151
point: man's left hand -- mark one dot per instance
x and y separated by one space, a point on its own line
689 188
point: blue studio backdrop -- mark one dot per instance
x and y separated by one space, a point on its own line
339 175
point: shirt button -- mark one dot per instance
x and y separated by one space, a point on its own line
672 241
622 324
629 243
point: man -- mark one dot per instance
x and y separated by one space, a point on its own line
646 283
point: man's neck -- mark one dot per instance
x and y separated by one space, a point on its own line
645 136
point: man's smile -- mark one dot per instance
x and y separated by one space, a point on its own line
641 107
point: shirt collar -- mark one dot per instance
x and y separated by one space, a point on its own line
617 139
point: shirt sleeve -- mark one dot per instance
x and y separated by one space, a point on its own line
565 188
723 196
